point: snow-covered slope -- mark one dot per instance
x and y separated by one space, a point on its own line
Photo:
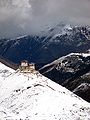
35 97
5 71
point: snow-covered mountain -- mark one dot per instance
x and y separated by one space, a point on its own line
66 67
49 45
34 97
71 72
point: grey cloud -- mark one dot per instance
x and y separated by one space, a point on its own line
31 16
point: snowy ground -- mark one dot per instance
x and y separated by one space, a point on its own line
35 97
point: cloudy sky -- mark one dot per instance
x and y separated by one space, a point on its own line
18 17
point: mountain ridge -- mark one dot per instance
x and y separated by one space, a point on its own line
47 46
70 71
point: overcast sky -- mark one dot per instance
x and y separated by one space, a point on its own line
18 17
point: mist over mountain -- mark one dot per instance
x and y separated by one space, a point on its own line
19 17
43 42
